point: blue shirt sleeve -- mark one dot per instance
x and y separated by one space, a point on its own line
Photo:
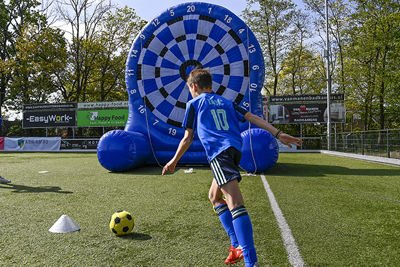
189 119
240 112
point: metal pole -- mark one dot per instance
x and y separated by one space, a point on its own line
1 124
335 137
388 142
362 143
301 135
328 77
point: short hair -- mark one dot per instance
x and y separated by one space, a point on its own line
201 77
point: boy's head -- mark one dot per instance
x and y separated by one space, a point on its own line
199 81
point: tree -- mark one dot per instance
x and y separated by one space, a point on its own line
13 16
83 18
303 72
339 13
373 51
270 23
40 54
117 31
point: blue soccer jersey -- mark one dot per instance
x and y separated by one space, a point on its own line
216 120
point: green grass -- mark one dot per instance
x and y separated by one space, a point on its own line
342 212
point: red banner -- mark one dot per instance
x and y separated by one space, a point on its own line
1 143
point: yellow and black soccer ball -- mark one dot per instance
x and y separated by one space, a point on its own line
121 223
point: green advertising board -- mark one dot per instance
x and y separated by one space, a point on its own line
102 117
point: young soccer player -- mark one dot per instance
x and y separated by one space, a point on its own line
217 122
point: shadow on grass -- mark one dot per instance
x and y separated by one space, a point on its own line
310 170
137 236
32 189
156 170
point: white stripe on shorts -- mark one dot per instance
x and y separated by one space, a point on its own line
216 174
219 174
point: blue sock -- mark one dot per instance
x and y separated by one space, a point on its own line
226 219
244 234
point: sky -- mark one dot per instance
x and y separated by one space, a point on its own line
149 9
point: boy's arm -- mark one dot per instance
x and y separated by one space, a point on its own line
183 146
284 138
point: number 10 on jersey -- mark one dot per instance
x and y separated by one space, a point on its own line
220 120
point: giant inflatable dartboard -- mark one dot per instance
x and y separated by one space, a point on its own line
184 37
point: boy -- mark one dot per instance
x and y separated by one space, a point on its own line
216 121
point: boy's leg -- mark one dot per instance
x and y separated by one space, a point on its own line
241 221
225 216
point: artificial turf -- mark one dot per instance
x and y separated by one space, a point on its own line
342 212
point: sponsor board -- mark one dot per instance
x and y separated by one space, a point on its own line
304 109
43 119
103 105
102 117
49 106
32 144
79 143
1 143
305 113
303 98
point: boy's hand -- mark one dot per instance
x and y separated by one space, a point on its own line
289 140
169 167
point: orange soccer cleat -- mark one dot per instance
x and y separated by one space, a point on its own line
235 255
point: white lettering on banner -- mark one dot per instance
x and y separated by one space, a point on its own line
102 105
50 118
32 144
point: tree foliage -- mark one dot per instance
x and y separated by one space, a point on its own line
270 20
14 14
84 58
364 49
373 68
40 54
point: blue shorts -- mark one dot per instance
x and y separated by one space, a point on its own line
225 166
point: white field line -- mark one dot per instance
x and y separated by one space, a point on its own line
294 256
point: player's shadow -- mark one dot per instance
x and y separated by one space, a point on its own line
157 170
33 189
142 170
137 236
310 170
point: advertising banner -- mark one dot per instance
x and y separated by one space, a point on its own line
303 98
32 144
49 106
79 143
48 118
305 113
102 117
1 143
103 105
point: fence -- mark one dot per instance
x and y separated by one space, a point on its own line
381 143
